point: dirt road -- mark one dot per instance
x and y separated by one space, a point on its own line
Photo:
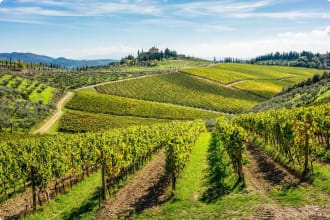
45 128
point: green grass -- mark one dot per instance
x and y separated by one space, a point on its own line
12 83
80 203
190 186
76 121
298 196
318 193
186 203
42 95
183 89
115 105
88 90
321 177
5 77
24 84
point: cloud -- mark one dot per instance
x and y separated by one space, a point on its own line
101 51
216 7
317 40
283 15
83 7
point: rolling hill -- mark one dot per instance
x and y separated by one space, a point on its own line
63 62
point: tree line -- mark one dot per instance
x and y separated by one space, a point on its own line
296 59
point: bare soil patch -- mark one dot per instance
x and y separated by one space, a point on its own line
145 190
263 173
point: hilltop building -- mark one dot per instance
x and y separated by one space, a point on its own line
153 50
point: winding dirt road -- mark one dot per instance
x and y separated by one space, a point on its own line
45 128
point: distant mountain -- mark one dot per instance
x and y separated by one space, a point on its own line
63 62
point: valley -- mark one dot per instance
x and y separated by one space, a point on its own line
135 145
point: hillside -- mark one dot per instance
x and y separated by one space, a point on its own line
170 169
183 89
305 93
46 60
261 80
24 102
94 112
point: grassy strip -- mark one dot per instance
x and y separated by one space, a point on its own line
82 202
186 203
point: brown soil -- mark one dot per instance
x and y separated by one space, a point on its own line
13 207
145 190
275 212
262 174
21 204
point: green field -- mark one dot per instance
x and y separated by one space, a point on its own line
258 79
183 89
165 64
31 89
115 105
264 88
229 73
77 121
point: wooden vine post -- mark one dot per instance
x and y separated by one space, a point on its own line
103 173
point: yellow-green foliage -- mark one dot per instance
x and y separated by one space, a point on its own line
115 105
259 79
228 73
43 95
77 121
265 88
183 89
34 91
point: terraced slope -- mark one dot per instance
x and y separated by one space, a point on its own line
31 90
77 121
183 89
23 102
265 81
229 73
115 105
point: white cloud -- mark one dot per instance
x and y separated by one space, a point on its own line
316 40
84 8
216 7
283 15
111 52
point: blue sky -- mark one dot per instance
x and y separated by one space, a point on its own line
112 29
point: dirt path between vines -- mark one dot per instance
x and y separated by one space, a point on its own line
145 190
13 207
45 128
263 173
